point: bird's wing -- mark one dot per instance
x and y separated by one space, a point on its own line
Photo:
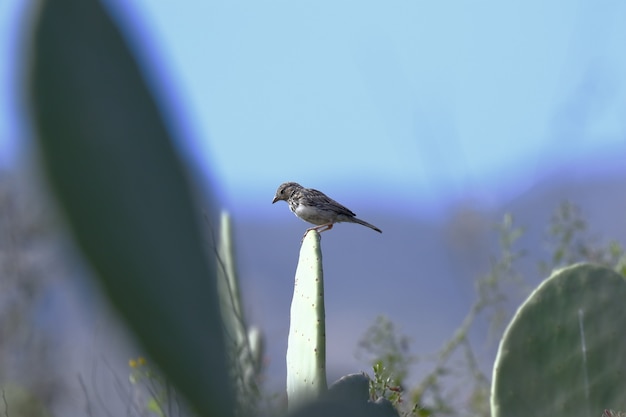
319 199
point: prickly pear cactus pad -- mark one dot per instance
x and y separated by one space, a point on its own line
306 345
564 352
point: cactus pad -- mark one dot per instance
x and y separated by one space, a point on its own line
564 352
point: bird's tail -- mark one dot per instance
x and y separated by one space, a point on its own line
364 223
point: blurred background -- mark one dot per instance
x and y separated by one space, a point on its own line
430 120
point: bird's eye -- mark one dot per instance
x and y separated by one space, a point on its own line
282 192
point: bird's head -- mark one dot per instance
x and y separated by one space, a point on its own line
285 191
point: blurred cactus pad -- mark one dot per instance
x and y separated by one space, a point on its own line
564 352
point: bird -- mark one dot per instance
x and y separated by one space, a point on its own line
315 207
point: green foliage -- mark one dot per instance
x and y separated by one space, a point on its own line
384 385
570 242
382 344
490 301
564 348
156 396
352 390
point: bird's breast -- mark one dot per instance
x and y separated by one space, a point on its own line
313 214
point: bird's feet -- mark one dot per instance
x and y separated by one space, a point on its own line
319 229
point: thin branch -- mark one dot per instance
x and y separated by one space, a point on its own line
6 403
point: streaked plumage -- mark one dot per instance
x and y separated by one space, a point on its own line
315 207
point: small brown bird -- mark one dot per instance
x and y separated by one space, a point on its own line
316 207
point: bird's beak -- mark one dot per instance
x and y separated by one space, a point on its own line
274 200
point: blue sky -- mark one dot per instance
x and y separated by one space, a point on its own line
425 101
